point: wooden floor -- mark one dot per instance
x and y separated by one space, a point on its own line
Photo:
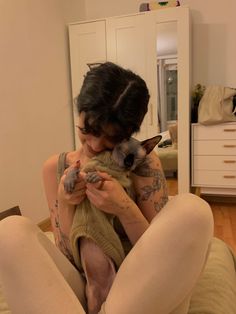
225 222
172 186
224 213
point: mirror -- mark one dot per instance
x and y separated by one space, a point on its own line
181 18
167 82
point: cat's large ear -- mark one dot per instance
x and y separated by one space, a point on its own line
150 143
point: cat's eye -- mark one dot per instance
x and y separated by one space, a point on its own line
129 160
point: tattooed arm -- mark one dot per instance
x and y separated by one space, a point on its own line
61 204
151 195
150 187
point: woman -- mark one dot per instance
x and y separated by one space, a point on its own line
168 253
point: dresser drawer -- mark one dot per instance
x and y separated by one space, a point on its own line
217 132
214 178
227 163
211 147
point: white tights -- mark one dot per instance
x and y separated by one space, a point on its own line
157 276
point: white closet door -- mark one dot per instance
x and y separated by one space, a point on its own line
87 45
127 46
180 16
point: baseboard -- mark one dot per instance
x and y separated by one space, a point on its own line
45 225
219 198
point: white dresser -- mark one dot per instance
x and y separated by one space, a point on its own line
213 166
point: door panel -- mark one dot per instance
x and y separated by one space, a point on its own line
87 45
128 45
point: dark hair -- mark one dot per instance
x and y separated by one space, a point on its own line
113 95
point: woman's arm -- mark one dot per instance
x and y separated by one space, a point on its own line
151 193
150 187
61 204
151 196
55 199
50 182
111 198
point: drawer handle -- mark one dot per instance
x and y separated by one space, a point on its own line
229 130
229 161
229 146
229 177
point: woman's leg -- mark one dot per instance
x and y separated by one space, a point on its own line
160 272
37 278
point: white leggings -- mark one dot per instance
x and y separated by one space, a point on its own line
157 276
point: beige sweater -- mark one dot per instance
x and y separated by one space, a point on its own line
93 223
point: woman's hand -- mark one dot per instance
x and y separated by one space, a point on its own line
108 195
77 195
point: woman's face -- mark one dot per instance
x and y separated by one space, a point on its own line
92 145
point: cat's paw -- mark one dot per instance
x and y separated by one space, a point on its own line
71 179
93 177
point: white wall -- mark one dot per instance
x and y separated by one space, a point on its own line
213 33
35 100
106 8
214 44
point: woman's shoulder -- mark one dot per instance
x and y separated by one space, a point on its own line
51 164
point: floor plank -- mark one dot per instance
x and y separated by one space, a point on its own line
225 222
172 186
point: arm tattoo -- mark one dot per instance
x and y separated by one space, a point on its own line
159 182
159 205
62 240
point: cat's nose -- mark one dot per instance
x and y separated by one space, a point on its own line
129 161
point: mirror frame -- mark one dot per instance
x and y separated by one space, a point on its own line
181 16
